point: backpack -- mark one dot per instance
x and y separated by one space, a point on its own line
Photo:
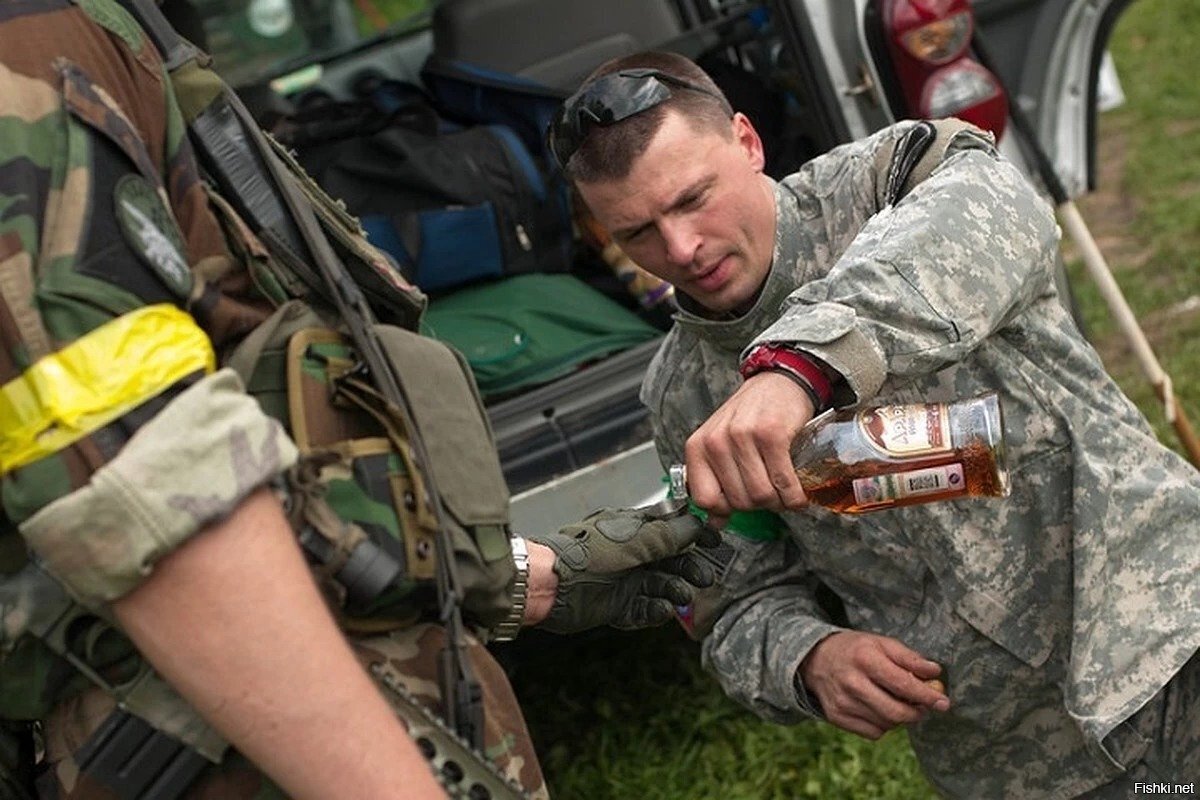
481 96
454 203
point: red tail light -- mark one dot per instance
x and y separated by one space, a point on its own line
929 41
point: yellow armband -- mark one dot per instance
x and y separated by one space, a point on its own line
96 379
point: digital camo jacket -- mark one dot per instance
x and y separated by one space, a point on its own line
1055 613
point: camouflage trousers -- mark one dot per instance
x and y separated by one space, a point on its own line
1170 766
410 654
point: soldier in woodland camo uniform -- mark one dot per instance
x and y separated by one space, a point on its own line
121 440
1063 621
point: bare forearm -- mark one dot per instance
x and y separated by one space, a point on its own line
233 620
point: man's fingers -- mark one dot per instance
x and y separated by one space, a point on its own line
660 585
885 710
731 477
911 677
930 693
703 486
857 693
688 529
858 725
647 612
910 659
784 481
756 478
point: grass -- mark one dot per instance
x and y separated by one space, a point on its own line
625 716
631 715
1157 190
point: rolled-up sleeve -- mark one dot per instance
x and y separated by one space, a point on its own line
189 466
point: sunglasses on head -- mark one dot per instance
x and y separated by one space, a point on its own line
608 100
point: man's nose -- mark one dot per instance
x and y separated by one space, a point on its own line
680 240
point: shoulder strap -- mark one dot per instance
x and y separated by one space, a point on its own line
919 151
907 155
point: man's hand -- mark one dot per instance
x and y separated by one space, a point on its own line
740 458
868 684
627 569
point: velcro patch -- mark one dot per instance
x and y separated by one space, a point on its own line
152 233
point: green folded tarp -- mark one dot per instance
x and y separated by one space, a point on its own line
531 329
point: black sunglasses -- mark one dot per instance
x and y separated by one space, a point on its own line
608 100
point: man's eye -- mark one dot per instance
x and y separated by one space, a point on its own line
693 201
634 236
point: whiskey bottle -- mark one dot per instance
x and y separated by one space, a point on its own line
897 455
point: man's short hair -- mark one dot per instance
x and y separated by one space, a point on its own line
608 152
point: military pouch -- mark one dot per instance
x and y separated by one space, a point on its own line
463 464
362 469
357 461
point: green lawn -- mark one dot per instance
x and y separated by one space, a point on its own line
631 716
1157 191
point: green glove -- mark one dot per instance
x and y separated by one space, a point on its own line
626 568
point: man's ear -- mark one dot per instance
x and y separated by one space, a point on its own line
749 140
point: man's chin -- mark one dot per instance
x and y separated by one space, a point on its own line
719 304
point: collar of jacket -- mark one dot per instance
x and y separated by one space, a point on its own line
732 332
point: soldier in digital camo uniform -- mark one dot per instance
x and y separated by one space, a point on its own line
1063 621
161 496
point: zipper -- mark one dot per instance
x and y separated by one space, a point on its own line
529 192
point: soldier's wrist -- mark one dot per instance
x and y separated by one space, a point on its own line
543 583
534 588
510 626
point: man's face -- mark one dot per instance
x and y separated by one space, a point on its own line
695 210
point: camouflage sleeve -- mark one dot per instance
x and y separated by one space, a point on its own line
101 214
190 465
920 284
769 617
766 630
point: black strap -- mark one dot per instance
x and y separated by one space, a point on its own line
18 760
135 761
908 152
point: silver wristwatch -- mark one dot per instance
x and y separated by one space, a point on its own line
511 626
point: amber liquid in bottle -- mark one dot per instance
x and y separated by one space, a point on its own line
901 455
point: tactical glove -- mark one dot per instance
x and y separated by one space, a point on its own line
626 568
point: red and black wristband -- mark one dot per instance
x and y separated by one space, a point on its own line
796 365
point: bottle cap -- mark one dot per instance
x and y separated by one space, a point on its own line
677 482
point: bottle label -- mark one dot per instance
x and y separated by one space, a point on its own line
879 489
907 431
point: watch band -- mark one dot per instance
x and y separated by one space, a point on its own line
796 365
508 629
